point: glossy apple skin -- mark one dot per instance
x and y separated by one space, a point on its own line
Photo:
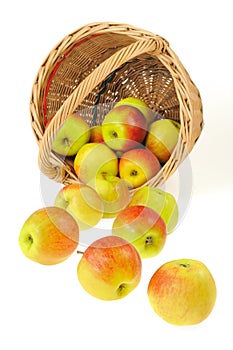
96 134
114 192
137 166
124 127
71 136
143 228
139 104
82 202
162 138
182 292
110 268
49 236
164 203
95 159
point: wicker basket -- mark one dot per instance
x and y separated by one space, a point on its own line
100 64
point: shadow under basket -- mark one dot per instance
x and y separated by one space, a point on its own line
100 64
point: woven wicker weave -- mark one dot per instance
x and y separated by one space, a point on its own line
99 64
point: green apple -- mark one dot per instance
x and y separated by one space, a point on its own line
164 203
182 292
162 138
113 191
49 236
137 166
71 136
124 127
82 202
139 104
110 268
143 228
95 159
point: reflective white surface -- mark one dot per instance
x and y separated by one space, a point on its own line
45 307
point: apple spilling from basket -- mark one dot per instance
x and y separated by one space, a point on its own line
123 153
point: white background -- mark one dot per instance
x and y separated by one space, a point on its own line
45 307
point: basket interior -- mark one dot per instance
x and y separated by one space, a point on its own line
144 77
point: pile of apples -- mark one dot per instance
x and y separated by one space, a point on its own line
121 154
131 143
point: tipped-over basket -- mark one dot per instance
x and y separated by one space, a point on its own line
100 64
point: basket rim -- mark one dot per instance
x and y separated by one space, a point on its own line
64 46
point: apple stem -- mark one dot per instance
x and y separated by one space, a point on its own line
120 289
114 134
133 173
30 239
66 141
149 240
79 252
184 265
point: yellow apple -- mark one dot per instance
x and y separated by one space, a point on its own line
94 159
49 236
110 268
82 202
137 166
139 104
182 292
164 203
162 138
114 192
143 228
71 136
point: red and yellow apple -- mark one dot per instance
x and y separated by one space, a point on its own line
164 203
95 159
162 138
139 104
49 236
143 228
110 268
137 166
96 134
114 192
124 127
71 136
182 292
82 202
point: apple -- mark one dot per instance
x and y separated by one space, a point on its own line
139 104
143 228
137 166
162 138
164 203
82 202
94 159
182 292
110 268
124 127
70 137
96 134
113 191
49 236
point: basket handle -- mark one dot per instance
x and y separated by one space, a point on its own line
154 45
